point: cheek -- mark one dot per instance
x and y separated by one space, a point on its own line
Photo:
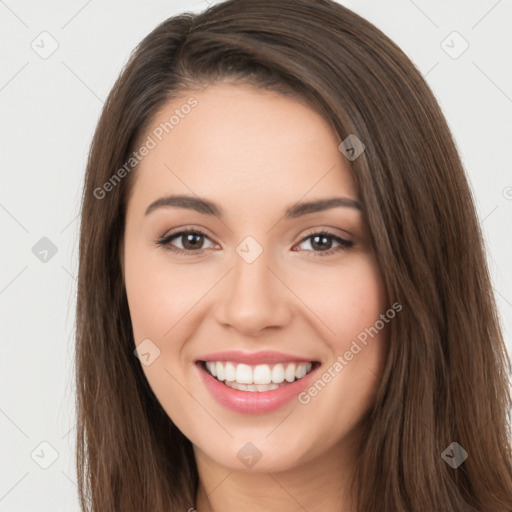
347 299
349 380
362 335
158 301
158 297
350 303
360 302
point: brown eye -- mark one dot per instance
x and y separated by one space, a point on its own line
191 241
321 243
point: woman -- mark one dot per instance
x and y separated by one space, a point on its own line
283 296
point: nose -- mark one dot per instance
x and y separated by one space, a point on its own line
253 297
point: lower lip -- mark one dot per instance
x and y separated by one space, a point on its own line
253 402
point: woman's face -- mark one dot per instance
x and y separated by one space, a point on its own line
263 289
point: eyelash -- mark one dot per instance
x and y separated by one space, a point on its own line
165 242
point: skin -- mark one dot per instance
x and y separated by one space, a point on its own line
255 153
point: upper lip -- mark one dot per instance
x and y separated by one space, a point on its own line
254 358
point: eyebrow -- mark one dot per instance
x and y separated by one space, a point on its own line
210 208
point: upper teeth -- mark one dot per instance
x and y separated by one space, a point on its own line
259 374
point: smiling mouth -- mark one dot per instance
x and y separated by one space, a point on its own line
261 377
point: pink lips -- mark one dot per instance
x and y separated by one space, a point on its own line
253 402
265 357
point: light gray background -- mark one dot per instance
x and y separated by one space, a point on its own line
49 109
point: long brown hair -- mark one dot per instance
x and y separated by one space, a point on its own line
446 376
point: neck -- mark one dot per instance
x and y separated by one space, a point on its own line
321 484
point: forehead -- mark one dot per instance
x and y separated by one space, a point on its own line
242 141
